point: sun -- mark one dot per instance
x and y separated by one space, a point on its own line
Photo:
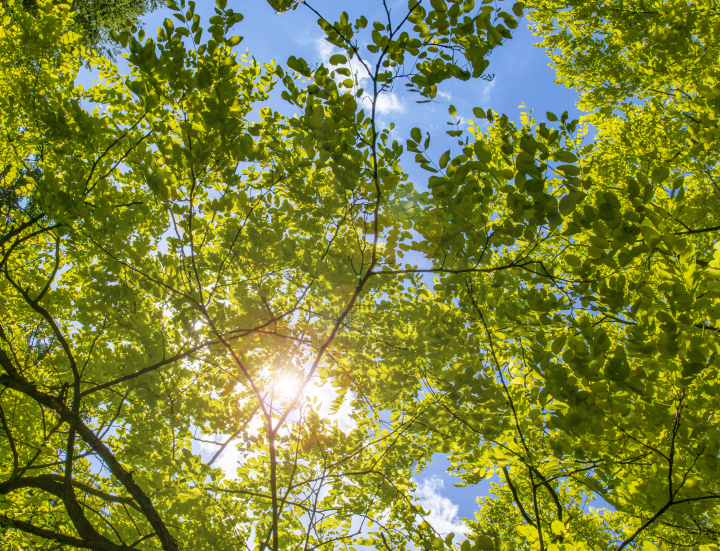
285 388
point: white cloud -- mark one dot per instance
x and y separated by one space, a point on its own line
388 103
443 512
325 49
486 90
445 95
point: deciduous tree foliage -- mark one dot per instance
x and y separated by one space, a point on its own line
96 19
185 268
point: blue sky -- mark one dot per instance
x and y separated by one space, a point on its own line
522 76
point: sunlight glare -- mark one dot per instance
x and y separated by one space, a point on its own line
285 388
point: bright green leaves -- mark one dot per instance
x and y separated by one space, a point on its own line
659 174
169 26
617 367
479 112
444 159
299 65
124 296
583 43
568 202
611 229
282 5
557 527
429 51
482 152
338 59
561 333
518 8
650 234
414 145
565 156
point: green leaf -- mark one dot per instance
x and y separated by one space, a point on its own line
478 112
282 5
338 59
482 151
439 5
444 159
568 203
660 174
299 65
569 170
650 234
573 260
565 156
484 543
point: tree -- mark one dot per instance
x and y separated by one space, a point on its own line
96 19
179 272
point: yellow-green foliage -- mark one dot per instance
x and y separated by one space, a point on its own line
184 269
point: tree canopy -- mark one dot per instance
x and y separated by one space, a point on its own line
186 267
95 19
